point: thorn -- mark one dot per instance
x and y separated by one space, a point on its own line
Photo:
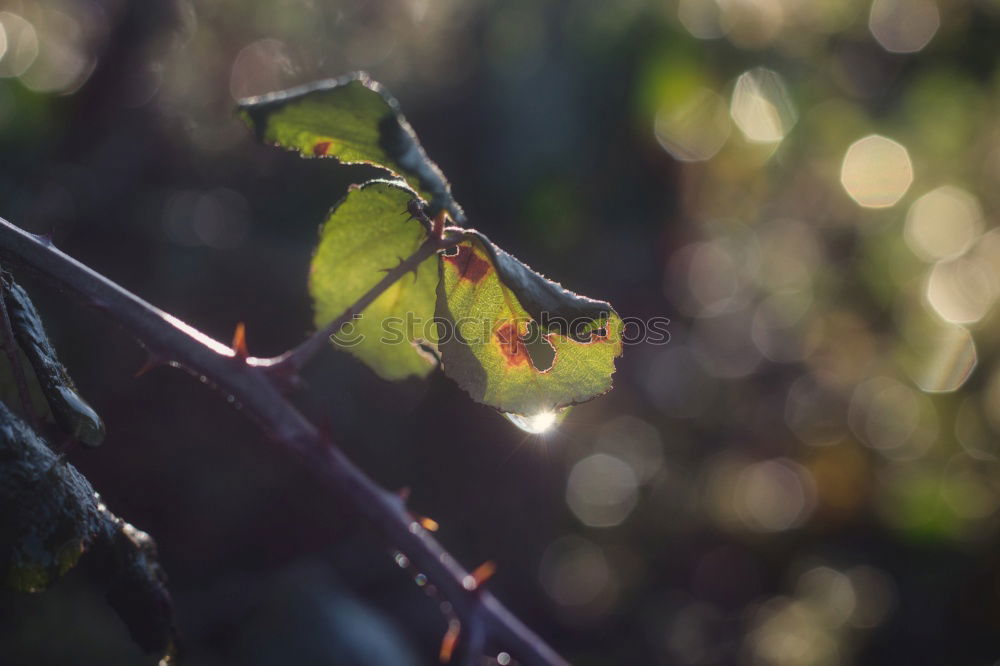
45 238
449 641
396 267
404 494
240 341
151 362
428 524
389 270
416 210
480 575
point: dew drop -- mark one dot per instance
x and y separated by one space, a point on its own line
535 424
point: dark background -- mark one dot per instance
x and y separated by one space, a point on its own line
806 474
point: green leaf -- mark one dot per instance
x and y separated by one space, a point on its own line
521 343
365 234
69 410
354 120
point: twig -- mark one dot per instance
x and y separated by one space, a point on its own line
291 362
167 337
10 349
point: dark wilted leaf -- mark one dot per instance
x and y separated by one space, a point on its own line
70 411
50 518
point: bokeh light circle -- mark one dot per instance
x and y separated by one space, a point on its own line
761 106
962 290
943 223
876 171
696 129
21 45
904 26
602 490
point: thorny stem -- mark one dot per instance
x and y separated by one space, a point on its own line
165 337
10 349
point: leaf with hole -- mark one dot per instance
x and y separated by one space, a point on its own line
517 341
511 338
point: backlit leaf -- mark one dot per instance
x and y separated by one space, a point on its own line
354 120
517 341
365 234
522 343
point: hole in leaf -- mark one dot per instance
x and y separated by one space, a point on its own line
539 349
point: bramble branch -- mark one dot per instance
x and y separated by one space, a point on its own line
170 340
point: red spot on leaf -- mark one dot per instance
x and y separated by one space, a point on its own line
470 265
321 148
511 345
